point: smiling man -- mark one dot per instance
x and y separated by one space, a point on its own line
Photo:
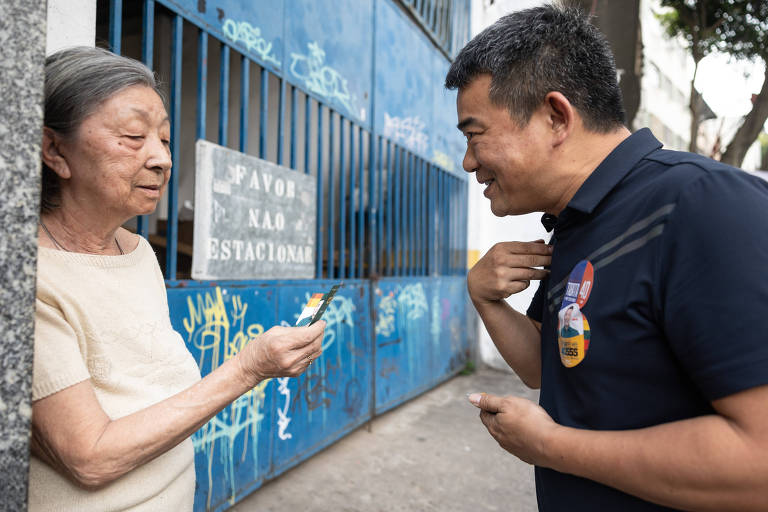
662 402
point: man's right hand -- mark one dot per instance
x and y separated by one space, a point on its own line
506 269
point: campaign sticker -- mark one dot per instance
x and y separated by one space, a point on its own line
573 333
579 285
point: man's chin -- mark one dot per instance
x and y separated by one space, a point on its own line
499 211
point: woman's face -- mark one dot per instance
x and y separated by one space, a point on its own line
119 159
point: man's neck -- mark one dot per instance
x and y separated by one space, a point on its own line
581 155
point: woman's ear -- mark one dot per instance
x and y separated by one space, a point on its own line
52 155
562 116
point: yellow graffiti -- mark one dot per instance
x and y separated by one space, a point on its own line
443 160
217 328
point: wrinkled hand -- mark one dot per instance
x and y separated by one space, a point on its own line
506 269
282 352
519 426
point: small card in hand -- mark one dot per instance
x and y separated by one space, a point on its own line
316 306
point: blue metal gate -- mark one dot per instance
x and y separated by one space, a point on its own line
350 92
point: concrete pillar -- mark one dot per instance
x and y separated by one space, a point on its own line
22 55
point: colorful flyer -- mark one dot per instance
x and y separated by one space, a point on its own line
316 306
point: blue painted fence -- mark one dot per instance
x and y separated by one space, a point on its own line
418 340
420 335
350 92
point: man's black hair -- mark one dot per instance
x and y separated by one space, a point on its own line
532 52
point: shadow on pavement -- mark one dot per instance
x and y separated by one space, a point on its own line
431 454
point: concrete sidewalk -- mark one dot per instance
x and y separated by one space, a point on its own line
431 454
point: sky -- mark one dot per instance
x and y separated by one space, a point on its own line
727 86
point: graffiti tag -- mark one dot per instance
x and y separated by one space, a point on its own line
321 79
443 160
408 130
250 36
216 327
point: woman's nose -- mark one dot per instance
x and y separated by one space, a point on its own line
159 155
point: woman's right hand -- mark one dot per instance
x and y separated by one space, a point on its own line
281 352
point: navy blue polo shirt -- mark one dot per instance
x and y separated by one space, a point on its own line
660 275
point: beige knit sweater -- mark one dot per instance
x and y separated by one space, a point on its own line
105 318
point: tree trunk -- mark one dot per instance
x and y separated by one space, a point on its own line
693 104
750 128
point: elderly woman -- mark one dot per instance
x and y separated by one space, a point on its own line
116 394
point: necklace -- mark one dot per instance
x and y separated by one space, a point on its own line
61 247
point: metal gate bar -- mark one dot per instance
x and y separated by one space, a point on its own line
398 242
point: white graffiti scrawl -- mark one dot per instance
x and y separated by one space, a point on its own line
413 301
397 311
408 305
385 317
408 130
250 36
340 311
321 79
283 420
216 326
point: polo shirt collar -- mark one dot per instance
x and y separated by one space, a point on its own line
612 170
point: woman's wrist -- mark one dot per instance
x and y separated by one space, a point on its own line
247 376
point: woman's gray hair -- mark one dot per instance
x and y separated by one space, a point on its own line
77 81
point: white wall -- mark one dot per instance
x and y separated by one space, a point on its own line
667 72
485 12
666 82
485 229
70 23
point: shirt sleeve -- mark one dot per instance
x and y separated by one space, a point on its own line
714 290
58 361
536 308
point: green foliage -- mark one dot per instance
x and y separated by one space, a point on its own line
735 27
738 28
468 369
763 139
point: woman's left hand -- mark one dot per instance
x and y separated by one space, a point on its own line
281 352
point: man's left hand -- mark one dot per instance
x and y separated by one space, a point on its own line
519 426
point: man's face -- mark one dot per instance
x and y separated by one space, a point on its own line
511 160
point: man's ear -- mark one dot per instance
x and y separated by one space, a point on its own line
561 116
52 155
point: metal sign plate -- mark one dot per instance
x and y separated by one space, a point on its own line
253 219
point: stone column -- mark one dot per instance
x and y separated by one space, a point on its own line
22 56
